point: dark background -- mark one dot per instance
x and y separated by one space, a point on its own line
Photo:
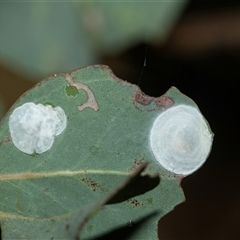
202 59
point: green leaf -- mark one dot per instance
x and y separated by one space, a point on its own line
40 38
106 138
134 185
113 26
69 226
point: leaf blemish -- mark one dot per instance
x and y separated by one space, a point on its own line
137 163
134 202
143 102
71 91
164 101
91 102
142 98
92 184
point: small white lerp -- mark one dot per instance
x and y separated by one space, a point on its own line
180 139
33 127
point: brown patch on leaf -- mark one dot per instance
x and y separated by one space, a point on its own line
142 98
164 101
143 102
92 184
91 102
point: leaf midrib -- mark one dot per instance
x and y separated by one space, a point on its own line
33 175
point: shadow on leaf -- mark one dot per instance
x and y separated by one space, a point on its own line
126 231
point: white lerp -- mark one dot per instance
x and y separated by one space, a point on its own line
33 127
180 139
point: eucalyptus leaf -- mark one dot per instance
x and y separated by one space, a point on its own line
107 137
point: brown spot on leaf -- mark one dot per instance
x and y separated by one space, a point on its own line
143 102
142 98
92 184
164 101
134 202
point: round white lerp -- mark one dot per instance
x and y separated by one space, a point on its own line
180 139
33 127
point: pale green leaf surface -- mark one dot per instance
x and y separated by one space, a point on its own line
115 25
136 184
93 155
69 226
38 38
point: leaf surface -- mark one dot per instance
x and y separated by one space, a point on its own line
106 139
